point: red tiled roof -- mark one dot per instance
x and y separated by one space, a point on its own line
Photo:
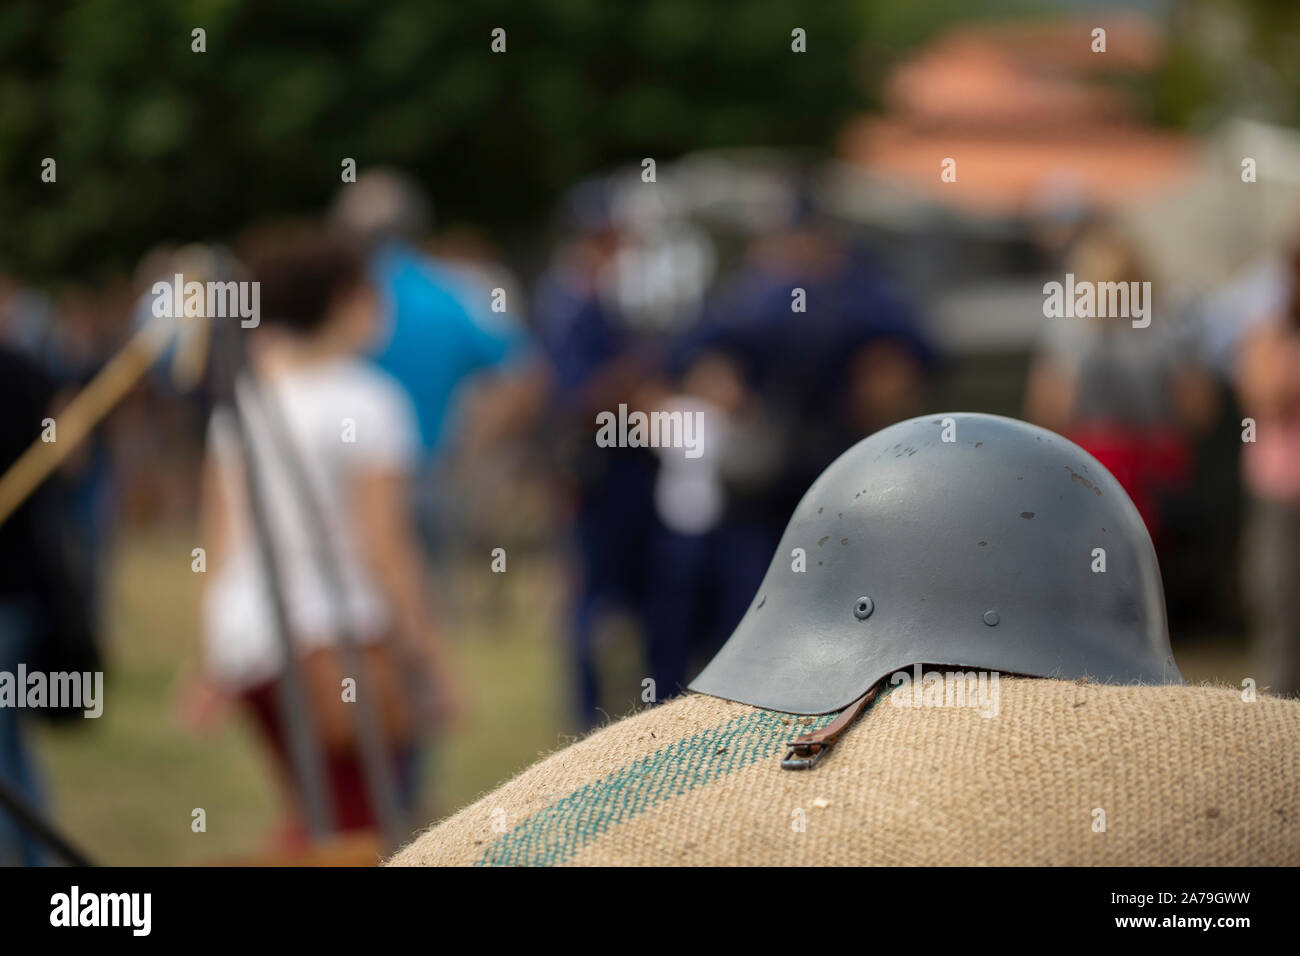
1020 107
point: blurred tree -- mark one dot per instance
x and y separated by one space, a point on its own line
1231 58
155 142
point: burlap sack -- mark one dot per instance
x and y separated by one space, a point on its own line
1183 776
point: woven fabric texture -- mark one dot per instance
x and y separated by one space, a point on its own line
1062 774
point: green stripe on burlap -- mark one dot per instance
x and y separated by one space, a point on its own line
556 833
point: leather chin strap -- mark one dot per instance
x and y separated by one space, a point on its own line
805 751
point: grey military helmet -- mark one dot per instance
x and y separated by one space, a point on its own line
960 539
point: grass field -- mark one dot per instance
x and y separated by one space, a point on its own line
124 786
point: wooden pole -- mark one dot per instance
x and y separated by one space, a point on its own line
84 412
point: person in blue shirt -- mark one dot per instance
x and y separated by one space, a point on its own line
439 330
438 333
435 340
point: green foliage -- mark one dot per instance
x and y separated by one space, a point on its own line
155 142
1230 58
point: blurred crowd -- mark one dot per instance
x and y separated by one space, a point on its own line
406 388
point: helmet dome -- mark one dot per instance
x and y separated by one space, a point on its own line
961 539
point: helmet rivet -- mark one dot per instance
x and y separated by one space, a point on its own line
863 608
991 618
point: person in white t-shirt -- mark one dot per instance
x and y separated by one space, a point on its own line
353 431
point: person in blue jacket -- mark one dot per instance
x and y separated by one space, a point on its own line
816 346
599 359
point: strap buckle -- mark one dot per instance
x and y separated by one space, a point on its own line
803 756
811 747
